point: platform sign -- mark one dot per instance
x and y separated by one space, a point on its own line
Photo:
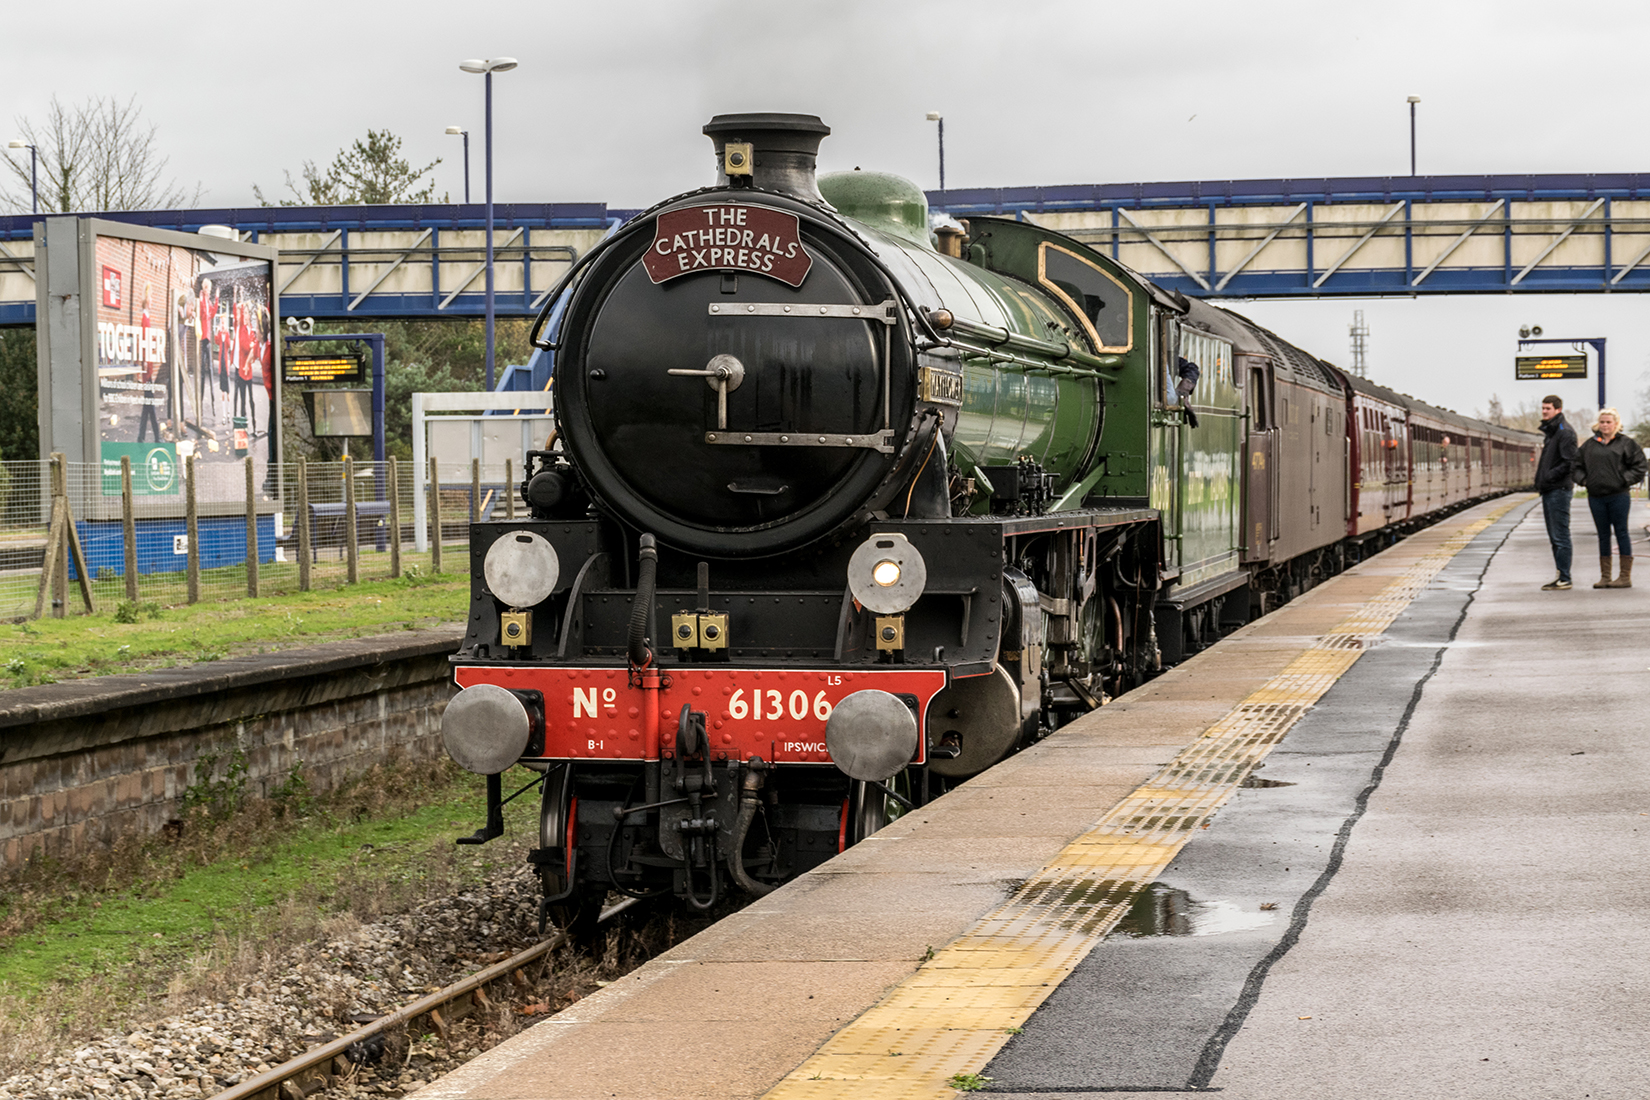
1535 368
309 369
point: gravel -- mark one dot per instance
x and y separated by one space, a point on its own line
307 996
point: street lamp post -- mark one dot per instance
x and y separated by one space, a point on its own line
466 134
934 116
487 69
34 177
1413 100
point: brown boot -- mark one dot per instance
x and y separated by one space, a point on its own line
1604 580
1626 578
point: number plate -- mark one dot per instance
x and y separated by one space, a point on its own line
940 386
778 715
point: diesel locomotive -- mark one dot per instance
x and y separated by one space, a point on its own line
843 509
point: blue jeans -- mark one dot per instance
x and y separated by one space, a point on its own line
1555 506
1611 512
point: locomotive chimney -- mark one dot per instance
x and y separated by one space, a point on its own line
782 154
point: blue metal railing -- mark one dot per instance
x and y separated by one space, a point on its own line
1273 192
1318 276
1626 272
339 222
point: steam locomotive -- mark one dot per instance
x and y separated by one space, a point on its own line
844 510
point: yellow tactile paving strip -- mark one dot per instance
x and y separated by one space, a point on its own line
959 1008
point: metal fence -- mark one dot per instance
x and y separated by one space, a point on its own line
75 534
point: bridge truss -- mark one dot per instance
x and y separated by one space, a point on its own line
347 262
1332 237
1359 237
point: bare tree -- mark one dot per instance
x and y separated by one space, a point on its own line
1497 414
93 156
1641 418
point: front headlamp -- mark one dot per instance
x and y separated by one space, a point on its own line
521 568
887 574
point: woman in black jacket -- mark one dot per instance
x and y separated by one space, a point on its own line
1609 464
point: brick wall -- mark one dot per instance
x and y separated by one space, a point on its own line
85 762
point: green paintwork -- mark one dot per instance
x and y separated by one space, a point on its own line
1191 475
1201 505
887 203
1196 472
1010 248
1079 491
1147 451
1008 410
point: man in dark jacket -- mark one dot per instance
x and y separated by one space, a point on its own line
1553 480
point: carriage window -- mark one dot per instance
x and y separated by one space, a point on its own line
1100 300
1260 409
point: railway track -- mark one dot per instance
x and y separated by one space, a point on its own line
319 1067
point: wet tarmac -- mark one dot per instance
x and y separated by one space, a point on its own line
1449 900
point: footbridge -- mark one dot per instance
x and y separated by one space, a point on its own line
1330 237
416 262
1395 236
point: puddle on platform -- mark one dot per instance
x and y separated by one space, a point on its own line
1161 910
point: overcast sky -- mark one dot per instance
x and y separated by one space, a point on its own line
610 97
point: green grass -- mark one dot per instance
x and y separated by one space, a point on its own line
45 650
132 925
155 927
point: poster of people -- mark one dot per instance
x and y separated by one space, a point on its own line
185 365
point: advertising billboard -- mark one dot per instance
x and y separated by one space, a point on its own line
185 362
172 351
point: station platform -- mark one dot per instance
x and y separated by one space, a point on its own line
1387 841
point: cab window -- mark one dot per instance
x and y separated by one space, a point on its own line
1100 301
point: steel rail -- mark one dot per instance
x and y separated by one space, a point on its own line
270 1081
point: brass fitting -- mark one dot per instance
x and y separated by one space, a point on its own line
699 630
516 628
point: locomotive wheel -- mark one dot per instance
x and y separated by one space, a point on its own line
870 809
579 917
867 811
577 914
555 808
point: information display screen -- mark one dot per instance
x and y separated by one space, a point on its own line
185 364
306 369
1534 368
339 412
